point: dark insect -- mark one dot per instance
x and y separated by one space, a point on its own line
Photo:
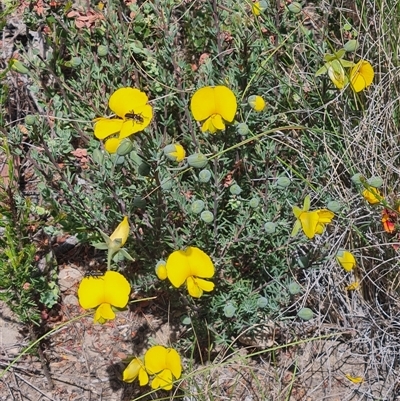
135 117
94 273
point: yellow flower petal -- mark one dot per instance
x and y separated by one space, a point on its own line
162 362
355 285
112 288
346 259
178 269
121 232
361 75
162 380
116 289
225 102
127 100
354 379
177 152
325 216
104 127
213 100
133 370
194 290
256 9
104 312
196 286
173 363
91 292
309 221
218 122
161 272
208 126
372 195
200 263
155 359
111 145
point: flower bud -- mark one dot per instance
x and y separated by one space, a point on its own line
174 152
229 310
283 182
256 102
74 62
270 227
254 202
197 160
197 206
295 7
204 175
144 169
262 302
102 50
207 216
139 202
125 147
235 189
242 129
16 65
161 270
30 119
357 178
294 288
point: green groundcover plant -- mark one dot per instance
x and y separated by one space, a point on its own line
190 132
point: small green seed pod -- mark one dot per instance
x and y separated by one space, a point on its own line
144 169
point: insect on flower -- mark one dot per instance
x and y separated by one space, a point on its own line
135 117
94 273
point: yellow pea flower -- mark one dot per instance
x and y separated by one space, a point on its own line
164 363
312 222
191 266
214 105
102 293
134 115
